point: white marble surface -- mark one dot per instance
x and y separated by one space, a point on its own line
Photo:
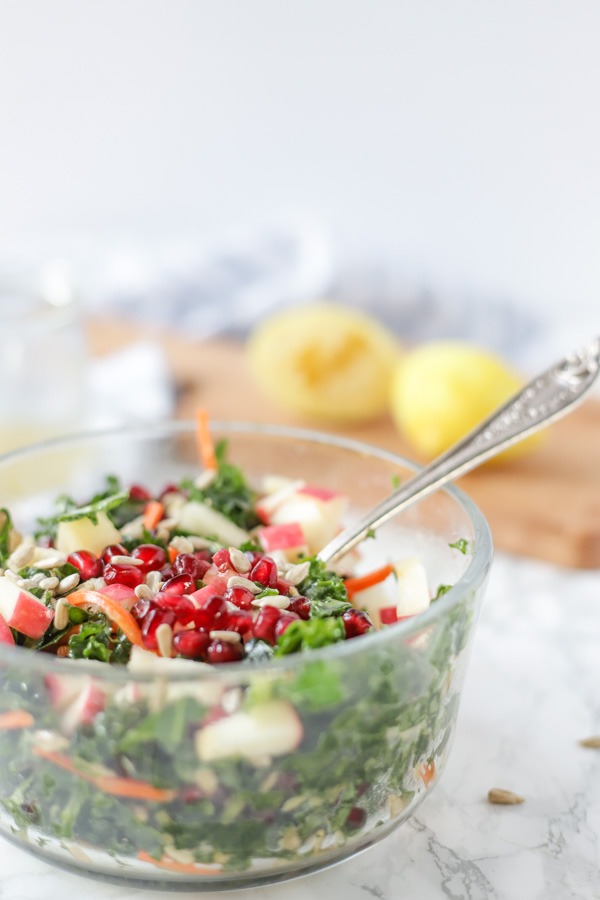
532 691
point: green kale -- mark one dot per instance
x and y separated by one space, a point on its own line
325 589
228 494
95 641
92 509
442 589
310 634
5 529
396 481
462 545
105 501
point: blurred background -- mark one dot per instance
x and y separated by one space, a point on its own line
177 172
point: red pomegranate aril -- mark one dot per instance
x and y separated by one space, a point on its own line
240 597
153 557
301 606
254 556
203 556
356 622
212 613
265 572
241 622
113 550
191 643
170 489
224 651
285 620
130 576
222 560
137 492
141 609
88 565
155 618
188 564
182 606
179 584
264 626
283 587
356 817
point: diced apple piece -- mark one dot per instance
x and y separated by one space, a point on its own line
281 489
376 599
267 729
5 633
124 595
22 610
319 518
62 689
198 518
83 534
319 493
90 701
413 589
288 538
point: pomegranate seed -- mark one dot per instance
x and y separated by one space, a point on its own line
179 584
192 794
265 572
45 541
153 557
183 607
141 609
301 606
222 560
130 576
283 587
285 620
254 556
224 651
188 564
170 489
356 622
211 614
264 626
203 555
240 597
191 643
86 564
113 550
155 618
356 817
137 492
241 622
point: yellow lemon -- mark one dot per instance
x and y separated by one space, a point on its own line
443 389
324 361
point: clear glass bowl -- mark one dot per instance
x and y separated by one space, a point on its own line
335 747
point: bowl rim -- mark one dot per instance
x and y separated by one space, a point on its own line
473 576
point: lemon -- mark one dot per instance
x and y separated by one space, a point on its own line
324 361
443 389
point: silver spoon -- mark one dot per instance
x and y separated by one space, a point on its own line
545 399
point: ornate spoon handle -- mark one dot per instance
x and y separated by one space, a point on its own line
545 399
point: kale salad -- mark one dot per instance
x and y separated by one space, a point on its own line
210 757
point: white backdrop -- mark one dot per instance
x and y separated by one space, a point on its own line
462 139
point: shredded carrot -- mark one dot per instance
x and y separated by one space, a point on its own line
62 650
111 784
362 582
173 866
426 772
173 554
117 613
16 718
206 448
153 513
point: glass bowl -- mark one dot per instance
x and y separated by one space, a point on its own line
320 753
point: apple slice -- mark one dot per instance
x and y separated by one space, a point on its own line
316 510
413 590
5 633
123 594
90 701
288 538
63 690
22 610
277 490
83 534
267 729
198 518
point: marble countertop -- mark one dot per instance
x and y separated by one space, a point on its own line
532 692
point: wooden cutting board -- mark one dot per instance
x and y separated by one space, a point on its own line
546 505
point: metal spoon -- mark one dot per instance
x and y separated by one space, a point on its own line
545 399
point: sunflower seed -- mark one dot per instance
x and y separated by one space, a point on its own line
182 544
118 560
164 639
230 637
135 528
238 581
143 592
239 560
21 557
200 543
593 742
68 583
278 601
205 478
61 615
49 562
16 579
48 584
154 581
49 740
296 574
499 795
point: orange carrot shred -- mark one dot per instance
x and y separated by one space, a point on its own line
110 784
153 513
206 448
427 772
117 613
174 866
362 582
173 554
16 718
